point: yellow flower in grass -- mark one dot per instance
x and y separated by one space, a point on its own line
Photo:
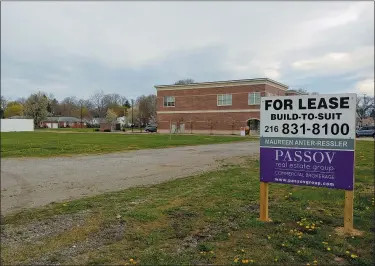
299 251
353 256
131 260
315 261
235 260
307 264
347 252
268 237
242 250
329 249
300 237
276 259
245 261
283 245
252 261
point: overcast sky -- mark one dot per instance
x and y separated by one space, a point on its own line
77 48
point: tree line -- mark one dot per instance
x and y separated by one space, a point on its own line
140 111
41 105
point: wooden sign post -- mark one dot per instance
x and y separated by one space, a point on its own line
264 202
308 140
348 211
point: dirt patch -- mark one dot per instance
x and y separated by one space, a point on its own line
63 178
107 234
34 232
341 232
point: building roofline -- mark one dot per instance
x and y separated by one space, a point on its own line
211 84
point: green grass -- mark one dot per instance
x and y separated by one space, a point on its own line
212 219
44 144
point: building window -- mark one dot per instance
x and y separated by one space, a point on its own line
254 98
224 99
169 101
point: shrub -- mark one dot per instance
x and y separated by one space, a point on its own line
123 129
107 130
96 129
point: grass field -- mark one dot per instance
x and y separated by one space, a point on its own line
206 219
43 144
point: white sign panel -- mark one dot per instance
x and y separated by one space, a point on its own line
17 125
308 140
309 116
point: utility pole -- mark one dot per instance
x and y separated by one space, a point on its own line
124 117
132 115
81 114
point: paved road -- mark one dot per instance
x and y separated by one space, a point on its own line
35 182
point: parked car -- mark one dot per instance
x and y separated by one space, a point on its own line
151 128
366 131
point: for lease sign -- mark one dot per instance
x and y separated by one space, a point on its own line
308 140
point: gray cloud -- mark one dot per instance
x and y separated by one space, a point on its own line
76 48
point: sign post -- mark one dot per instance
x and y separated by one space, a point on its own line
264 202
308 140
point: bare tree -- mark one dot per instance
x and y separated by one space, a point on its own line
184 81
4 102
302 91
146 108
98 103
21 100
36 107
112 100
69 106
365 107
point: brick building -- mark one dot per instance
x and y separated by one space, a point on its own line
220 107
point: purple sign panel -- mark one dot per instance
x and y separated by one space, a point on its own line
307 167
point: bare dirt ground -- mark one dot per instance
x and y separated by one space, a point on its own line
36 182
